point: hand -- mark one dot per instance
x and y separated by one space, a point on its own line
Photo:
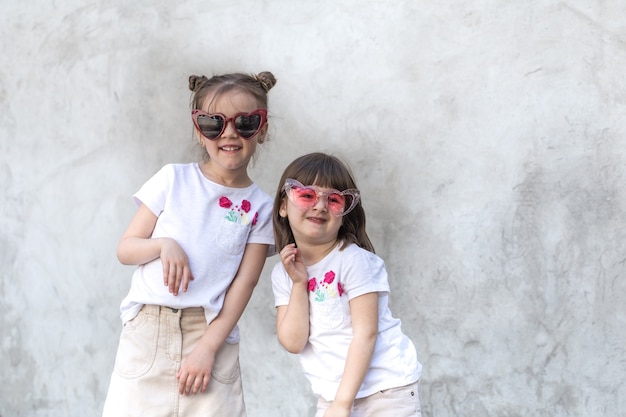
195 372
337 411
176 271
292 261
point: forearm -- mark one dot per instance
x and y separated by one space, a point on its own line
138 251
237 297
293 326
364 312
356 367
235 302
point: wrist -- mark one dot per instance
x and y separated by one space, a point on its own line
207 342
344 403
300 285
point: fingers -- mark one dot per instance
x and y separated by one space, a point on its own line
205 383
288 254
166 272
186 277
173 280
176 271
176 277
192 384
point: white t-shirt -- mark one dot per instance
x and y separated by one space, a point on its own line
333 282
212 223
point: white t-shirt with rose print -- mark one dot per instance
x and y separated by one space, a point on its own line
212 223
333 282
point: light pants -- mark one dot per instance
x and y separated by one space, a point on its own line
150 351
393 402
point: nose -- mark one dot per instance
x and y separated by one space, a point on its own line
322 202
229 127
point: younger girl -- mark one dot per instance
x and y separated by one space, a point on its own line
200 238
331 294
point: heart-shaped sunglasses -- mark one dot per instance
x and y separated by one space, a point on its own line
339 203
212 125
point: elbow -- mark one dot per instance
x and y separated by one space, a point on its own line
292 346
293 349
367 337
122 256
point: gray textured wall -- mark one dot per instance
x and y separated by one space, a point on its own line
487 138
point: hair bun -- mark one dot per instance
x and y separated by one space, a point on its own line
266 79
196 82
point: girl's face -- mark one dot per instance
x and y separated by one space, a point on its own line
315 224
230 152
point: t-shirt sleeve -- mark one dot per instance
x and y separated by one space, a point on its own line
365 273
281 285
153 192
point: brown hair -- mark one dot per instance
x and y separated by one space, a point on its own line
256 85
325 171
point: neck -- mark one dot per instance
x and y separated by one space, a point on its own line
313 253
227 178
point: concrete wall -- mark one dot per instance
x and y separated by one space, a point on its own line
487 138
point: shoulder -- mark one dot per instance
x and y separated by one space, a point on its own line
363 256
259 193
279 276
260 199
175 170
278 269
181 169
363 272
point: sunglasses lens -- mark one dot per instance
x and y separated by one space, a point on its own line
304 197
337 203
247 125
211 126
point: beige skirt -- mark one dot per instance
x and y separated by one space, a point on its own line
151 348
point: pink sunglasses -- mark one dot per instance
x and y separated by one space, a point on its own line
339 203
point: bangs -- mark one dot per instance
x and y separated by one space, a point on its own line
325 173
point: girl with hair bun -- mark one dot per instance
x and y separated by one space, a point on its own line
199 239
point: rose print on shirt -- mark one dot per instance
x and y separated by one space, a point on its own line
325 289
234 228
327 307
238 213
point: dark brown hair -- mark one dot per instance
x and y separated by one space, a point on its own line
325 171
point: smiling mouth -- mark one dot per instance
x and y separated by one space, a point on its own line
317 220
230 148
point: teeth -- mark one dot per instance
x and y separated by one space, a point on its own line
230 148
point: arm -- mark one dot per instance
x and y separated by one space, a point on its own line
137 247
292 320
195 372
364 312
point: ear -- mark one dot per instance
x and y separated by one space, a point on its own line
199 136
282 211
262 133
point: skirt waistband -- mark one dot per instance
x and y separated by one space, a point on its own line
156 310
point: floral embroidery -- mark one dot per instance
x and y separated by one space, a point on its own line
225 202
325 288
238 213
